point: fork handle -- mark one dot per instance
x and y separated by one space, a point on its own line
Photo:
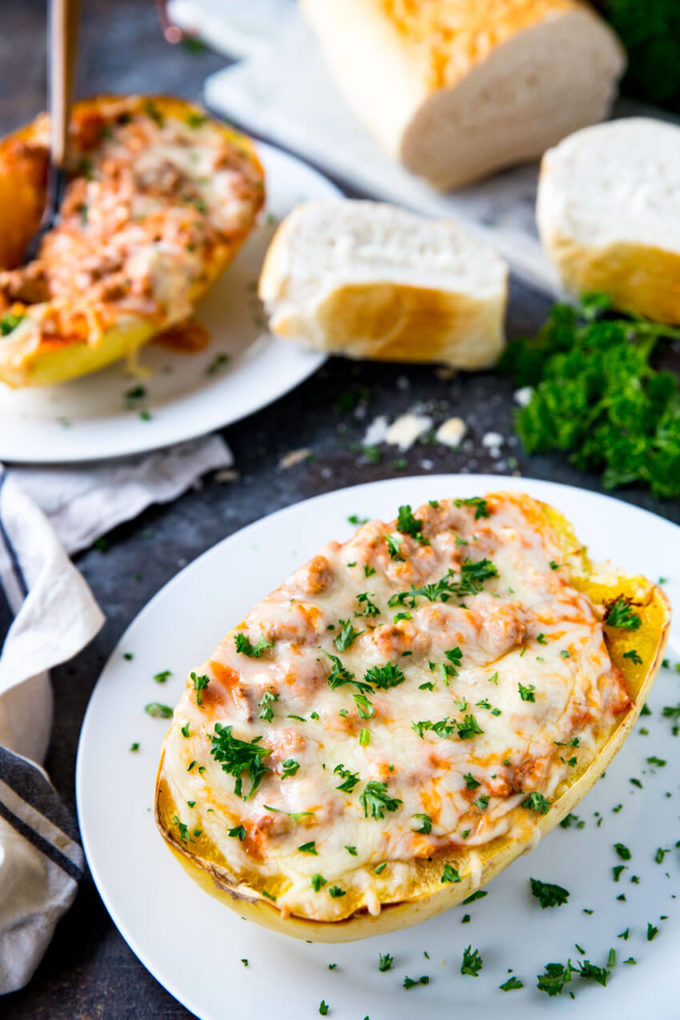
63 25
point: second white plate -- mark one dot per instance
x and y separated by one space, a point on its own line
186 395
196 947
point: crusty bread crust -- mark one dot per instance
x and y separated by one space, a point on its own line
637 277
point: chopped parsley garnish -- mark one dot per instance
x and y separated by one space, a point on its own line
335 891
652 932
527 693
200 683
410 525
412 982
445 728
471 782
216 364
473 574
659 762
472 962
547 894
622 851
426 824
323 1008
183 830
289 767
340 676
184 730
266 704
450 874
394 544
237 757
375 800
633 656
364 738
385 676
356 520
589 972
537 802
349 779
364 706
556 976
385 962
482 802
9 322
469 728
511 984
164 675
542 639
352 850
347 636
245 646
621 615
238 832
309 848
318 882
158 711
368 571
135 746
478 895
152 111
368 608
480 505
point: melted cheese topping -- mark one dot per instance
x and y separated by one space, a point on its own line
152 194
449 707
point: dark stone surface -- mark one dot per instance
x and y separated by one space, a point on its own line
88 970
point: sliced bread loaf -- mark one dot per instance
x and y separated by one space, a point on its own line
457 89
608 213
370 280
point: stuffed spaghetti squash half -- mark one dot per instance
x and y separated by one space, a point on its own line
159 199
404 716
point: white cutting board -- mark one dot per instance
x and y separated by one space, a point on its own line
281 90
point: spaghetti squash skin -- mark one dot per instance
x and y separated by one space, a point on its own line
418 875
159 201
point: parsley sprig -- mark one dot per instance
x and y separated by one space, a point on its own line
597 396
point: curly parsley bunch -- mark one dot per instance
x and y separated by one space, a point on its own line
597 396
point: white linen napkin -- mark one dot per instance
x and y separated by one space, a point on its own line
55 616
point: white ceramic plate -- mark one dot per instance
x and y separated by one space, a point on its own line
92 418
195 946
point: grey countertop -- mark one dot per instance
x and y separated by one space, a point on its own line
88 970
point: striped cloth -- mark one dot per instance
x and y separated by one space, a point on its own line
45 514
55 615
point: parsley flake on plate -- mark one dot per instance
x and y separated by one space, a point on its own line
412 982
472 962
158 711
547 894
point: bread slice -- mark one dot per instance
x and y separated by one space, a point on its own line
369 280
457 89
609 214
